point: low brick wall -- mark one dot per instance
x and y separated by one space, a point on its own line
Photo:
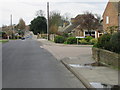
107 57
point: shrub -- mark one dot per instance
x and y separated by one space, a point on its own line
71 40
115 42
93 41
83 41
104 41
96 45
65 42
59 39
65 35
88 38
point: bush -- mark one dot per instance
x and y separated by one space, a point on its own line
104 42
109 42
93 41
71 40
88 38
115 42
59 39
65 42
83 41
65 35
96 45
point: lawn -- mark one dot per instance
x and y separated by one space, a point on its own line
3 41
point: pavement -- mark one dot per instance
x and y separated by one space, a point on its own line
78 59
25 64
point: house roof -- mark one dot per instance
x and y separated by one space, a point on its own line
68 28
74 25
114 0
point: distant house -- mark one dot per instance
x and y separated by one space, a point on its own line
111 15
77 31
27 27
0 32
0 29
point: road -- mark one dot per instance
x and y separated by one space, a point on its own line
27 65
0 65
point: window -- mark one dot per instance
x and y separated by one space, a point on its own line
93 32
86 32
107 19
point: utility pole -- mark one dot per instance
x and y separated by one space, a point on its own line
48 20
11 22
11 25
119 16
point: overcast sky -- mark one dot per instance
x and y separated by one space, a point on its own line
26 8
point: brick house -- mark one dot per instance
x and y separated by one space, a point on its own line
111 15
77 31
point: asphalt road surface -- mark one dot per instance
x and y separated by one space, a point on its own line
0 65
27 65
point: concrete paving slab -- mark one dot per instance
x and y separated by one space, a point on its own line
69 54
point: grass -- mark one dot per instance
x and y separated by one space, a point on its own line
3 41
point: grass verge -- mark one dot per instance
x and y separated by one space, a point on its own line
3 41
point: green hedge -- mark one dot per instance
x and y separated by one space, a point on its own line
115 42
83 41
104 41
93 41
59 39
71 40
109 42
88 38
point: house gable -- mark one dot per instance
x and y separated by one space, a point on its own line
110 15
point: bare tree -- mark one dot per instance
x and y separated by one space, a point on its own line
21 27
67 16
40 13
21 24
55 21
7 30
88 21
66 19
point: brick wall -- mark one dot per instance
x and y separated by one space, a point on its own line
113 15
107 57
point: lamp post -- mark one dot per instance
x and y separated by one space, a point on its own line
48 20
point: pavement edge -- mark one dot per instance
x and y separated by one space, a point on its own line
79 76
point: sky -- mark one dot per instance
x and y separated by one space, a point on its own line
26 9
